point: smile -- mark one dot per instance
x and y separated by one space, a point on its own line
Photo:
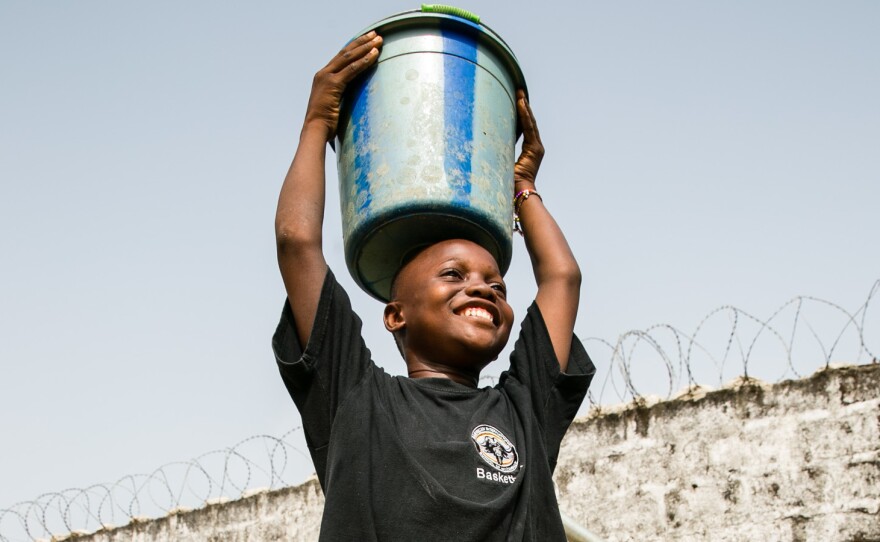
477 312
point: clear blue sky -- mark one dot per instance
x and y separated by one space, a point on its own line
699 154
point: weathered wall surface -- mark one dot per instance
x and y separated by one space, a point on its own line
796 461
292 513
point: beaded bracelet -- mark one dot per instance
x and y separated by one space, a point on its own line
518 200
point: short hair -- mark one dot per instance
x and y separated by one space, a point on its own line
408 256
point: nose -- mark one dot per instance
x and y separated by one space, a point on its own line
479 288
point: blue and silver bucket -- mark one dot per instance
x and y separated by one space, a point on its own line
426 142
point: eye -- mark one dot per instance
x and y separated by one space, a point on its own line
500 289
452 273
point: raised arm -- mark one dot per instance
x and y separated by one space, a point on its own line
556 270
300 213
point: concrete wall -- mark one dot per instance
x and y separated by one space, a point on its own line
290 514
795 461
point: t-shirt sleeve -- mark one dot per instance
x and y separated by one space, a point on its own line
555 396
334 361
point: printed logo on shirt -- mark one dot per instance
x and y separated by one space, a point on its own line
495 449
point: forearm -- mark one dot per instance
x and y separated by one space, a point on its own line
553 262
300 214
298 223
556 271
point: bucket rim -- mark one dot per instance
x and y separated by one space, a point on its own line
485 234
415 16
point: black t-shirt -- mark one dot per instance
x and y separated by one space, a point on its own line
430 459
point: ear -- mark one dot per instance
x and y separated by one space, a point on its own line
393 317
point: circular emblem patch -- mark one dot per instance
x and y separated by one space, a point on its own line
494 448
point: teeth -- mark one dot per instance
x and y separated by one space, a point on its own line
478 313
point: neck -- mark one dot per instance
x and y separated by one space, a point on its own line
455 375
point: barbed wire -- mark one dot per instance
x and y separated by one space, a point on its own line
260 461
687 362
684 360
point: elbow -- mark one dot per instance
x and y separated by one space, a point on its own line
292 239
565 276
571 276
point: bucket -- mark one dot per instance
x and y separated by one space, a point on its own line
425 145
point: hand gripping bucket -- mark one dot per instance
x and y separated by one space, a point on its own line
425 145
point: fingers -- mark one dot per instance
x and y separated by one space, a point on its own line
527 119
355 68
526 168
357 56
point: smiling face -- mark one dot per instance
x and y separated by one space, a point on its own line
450 308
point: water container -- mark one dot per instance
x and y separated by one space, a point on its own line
426 142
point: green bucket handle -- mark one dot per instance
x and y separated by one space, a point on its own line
451 10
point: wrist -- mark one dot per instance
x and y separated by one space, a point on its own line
519 186
316 128
518 200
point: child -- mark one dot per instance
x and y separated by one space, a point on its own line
429 457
